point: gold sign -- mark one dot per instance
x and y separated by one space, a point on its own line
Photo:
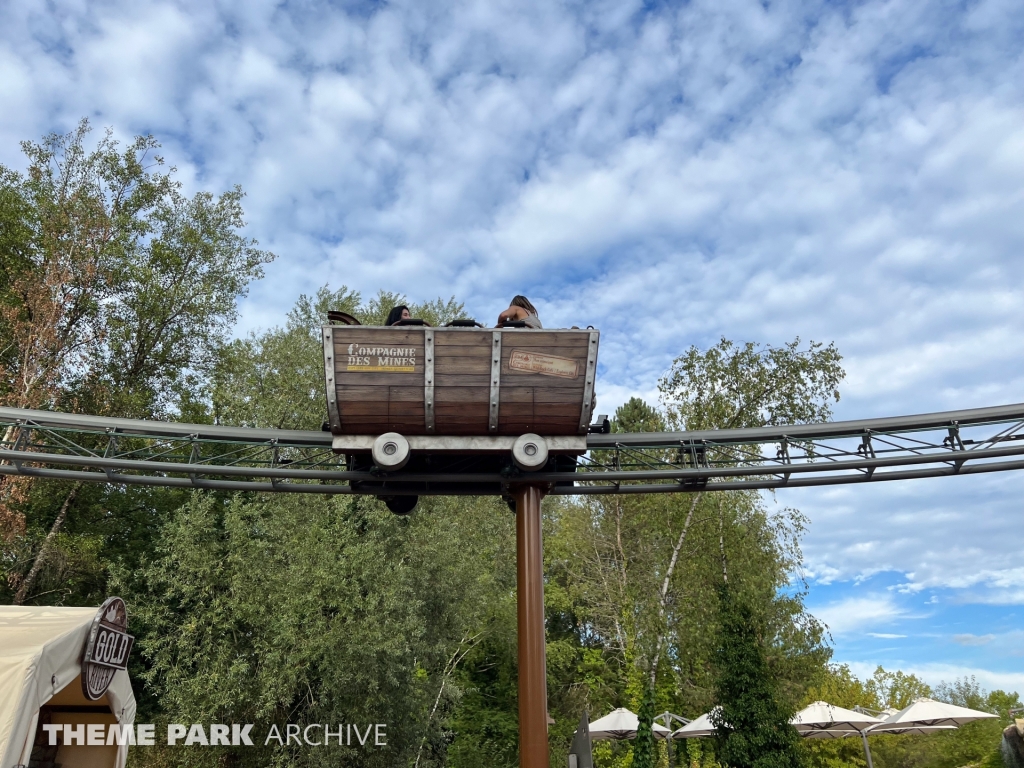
106 648
381 359
545 365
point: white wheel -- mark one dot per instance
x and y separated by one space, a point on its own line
390 451
530 452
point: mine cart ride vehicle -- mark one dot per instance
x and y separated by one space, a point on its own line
410 399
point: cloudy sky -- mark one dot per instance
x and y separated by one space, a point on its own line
669 172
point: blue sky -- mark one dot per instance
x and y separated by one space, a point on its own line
669 172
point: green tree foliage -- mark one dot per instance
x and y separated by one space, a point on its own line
643 747
971 744
320 609
752 718
117 284
731 386
639 576
117 292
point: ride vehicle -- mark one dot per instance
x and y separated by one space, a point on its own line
411 400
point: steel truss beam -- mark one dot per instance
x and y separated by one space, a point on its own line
132 452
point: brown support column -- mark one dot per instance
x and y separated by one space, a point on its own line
533 677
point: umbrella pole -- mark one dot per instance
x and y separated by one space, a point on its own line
533 686
867 749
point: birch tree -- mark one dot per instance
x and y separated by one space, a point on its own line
648 569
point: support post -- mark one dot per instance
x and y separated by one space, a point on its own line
867 749
533 683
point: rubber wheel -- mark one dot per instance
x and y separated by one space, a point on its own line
400 505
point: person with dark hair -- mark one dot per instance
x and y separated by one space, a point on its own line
401 312
520 308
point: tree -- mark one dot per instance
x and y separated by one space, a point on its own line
643 747
116 290
751 718
644 571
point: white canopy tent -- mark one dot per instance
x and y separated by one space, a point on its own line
622 724
40 666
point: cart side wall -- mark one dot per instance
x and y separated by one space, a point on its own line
461 380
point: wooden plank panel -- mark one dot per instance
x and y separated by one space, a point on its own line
544 338
567 347
459 352
522 379
539 395
363 424
445 380
410 410
357 408
463 366
462 411
406 394
479 338
368 335
557 411
375 379
462 395
515 395
560 395
347 392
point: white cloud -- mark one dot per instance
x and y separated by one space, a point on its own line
855 614
934 674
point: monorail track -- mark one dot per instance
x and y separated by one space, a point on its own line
132 452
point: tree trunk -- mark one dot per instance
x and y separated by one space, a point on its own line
663 593
44 550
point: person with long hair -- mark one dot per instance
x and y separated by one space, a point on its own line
520 308
401 312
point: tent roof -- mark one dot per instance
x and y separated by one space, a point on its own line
40 654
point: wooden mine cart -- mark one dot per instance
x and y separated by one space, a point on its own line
456 400
459 381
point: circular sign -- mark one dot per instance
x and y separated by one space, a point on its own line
106 648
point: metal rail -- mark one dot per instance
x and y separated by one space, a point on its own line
133 452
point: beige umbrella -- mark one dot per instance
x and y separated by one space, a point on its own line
914 730
822 720
927 713
622 724
701 726
822 716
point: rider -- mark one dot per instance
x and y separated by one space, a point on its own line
520 308
401 312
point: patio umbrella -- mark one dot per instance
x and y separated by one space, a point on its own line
929 713
701 726
822 716
622 724
914 730
822 720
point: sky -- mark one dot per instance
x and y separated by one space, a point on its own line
672 173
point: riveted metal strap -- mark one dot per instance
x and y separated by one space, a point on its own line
590 375
333 414
428 379
492 416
